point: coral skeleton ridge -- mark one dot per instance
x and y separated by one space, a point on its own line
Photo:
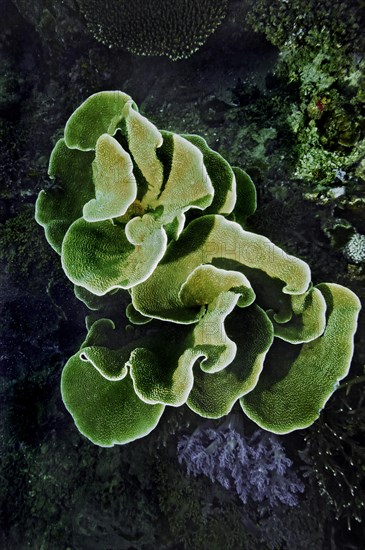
224 315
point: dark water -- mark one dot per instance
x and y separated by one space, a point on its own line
278 90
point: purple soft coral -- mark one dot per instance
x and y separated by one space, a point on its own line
254 467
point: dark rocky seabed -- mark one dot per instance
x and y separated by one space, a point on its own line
57 490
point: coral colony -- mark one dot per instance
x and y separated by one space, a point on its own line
255 468
229 316
164 28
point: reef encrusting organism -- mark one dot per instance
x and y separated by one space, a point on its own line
230 316
355 249
321 55
173 29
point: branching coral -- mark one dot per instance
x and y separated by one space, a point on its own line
173 29
335 450
255 467
230 315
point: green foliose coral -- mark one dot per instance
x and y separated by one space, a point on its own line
173 29
229 316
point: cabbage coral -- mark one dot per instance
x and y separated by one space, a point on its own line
231 317
173 29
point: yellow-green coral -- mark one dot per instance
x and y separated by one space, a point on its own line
173 29
239 319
